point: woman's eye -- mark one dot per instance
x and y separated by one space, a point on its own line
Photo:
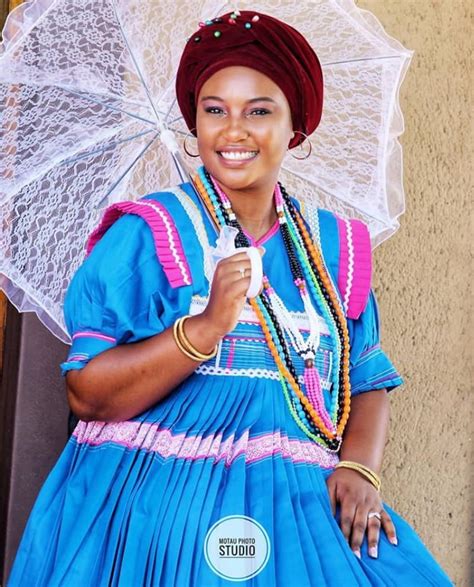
255 111
214 109
260 111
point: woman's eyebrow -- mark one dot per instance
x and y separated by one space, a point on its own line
260 99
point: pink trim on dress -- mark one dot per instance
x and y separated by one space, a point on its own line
168 245
270 232
148 436
84 334
355 265
230 357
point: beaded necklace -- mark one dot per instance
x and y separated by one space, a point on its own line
309 275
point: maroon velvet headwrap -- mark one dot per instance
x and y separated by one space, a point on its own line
260 42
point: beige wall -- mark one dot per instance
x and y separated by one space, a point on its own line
421 278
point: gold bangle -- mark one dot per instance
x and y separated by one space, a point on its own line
188 344
364 471
363 467
370 478
185 345
370 475
178 342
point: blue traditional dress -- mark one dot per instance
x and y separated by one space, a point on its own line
129 503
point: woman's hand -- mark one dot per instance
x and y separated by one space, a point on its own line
357 497
228 292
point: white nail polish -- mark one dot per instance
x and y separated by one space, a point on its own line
373 551
357 553
394 541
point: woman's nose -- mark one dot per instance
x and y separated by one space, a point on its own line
235 128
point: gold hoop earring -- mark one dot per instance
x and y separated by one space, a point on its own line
188 153
310 146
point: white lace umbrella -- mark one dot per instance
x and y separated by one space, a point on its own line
86 87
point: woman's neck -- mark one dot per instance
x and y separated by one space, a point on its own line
256 217
255 209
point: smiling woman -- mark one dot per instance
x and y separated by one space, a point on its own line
244 126
201 407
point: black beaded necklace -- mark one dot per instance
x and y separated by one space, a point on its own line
241 240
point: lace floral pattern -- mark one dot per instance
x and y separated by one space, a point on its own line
86 87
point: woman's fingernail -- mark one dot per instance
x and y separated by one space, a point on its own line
373 552
394 540
357 553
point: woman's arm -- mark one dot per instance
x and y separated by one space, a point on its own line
126 380
363 442
366 430
122 382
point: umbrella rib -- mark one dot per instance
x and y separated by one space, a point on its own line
175 120
62 161
16 278
113 108
217 12
139 156
18 38
101 102
108 147
84 94
9 79
169 110
381 58
335 197
135 63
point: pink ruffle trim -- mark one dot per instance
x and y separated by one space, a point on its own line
169 248
355 265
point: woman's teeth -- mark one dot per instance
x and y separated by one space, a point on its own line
237 155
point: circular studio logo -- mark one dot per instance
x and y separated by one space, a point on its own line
237 548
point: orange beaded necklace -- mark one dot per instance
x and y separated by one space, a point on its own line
306 416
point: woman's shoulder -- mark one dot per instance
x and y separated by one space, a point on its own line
323 227
152 227
313 211
173 199
346 248
153 214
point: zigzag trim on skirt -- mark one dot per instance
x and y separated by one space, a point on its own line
152 438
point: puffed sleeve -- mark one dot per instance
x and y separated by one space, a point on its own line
370 368
117 295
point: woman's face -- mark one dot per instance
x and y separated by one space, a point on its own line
243 128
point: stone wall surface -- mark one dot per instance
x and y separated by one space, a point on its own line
422 276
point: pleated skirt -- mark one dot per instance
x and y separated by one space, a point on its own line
130 503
